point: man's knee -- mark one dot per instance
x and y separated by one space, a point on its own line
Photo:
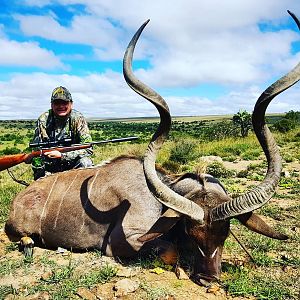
84 162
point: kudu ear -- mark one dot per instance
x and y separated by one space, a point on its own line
256 224
161 226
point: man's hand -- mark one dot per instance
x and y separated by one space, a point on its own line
53 154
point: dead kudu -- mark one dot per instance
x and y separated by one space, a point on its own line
126 205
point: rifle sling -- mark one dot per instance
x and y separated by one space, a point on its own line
15 179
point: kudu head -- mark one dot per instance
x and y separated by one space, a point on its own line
206 209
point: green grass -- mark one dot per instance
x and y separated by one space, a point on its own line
154 292
64 282
11 265
262 285
6 290
275 273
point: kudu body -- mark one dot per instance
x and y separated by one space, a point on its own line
125 205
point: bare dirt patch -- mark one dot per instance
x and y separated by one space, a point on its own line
150 285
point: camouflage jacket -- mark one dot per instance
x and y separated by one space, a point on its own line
51 128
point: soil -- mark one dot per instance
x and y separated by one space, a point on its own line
165 283
172 287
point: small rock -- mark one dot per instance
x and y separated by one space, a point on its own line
204 283
40 296
85 294
61 250
211 158
125 286
180 273
46 275
103 291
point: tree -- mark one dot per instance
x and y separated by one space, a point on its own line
288 122
243 120
293 116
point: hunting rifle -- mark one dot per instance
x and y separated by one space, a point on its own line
8 161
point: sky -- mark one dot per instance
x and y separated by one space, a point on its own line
203 57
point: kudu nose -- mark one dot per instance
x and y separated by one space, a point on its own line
204 280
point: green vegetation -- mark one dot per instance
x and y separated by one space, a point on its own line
243 120
261 285
290 121
61 281
275 272
155 292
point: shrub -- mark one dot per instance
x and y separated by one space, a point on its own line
183 152
284 125
242 174
293 116
288 157
217 169
10 150
172 166
251 154
289 122
220 130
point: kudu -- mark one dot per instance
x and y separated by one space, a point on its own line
127 204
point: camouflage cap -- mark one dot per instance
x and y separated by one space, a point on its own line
61 93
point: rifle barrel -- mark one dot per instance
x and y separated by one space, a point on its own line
9 161
117 140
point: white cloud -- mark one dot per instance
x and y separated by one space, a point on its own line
29 54
85 30
187 44
95 95
107 96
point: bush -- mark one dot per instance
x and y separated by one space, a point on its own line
242 174
251 154
10 150
289 122
183 152
171 166
293 116
217 169
220 130
284 125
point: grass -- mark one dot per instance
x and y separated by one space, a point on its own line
258 283
62 282
230 147
275 273
155 292
276 270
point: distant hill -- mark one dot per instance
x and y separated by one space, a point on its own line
273 117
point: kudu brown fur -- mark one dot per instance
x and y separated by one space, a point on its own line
126 205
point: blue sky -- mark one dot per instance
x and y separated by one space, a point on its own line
204 57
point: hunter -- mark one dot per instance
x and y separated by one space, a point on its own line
61 124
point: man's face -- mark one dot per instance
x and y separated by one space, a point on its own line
61 108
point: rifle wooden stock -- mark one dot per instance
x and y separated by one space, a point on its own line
9 161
